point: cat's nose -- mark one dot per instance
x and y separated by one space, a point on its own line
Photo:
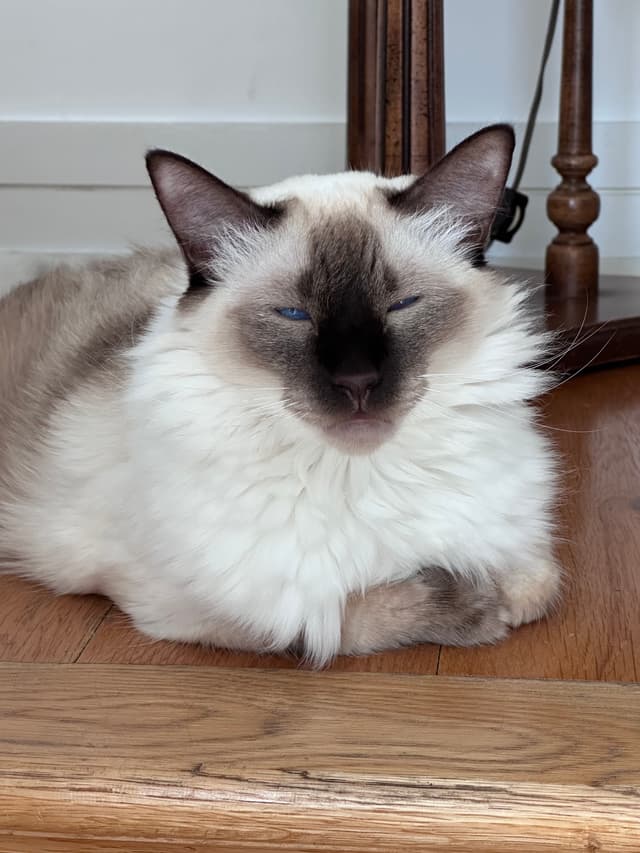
357 386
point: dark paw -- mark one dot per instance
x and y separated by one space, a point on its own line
464 612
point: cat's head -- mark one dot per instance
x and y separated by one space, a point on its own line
337 293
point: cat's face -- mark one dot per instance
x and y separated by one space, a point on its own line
336 295
344 328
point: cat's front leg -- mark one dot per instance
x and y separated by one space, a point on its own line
530 592
434 606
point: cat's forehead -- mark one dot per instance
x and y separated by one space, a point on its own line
337 224
340 242
345 258
336 191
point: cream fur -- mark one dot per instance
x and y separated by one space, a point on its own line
209 512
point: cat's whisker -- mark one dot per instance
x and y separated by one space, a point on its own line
503 412
467 380
588 364
498 410
573 342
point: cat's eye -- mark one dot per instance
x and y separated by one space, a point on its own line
293 313
404 303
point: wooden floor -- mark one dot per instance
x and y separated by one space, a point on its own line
123 759
96 754
595 635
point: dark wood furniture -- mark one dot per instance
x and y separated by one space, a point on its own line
396 124
572 257
396 85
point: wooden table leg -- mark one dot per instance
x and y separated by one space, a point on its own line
572 257
396 123
597 316
396 85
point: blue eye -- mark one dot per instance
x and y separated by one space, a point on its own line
404 303
293 313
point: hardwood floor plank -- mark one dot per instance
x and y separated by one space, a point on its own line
36 626
116 641
595 633
139 758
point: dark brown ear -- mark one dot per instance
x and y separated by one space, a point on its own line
470 179
201 210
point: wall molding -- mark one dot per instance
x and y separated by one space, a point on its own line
110 153
81 185
616 144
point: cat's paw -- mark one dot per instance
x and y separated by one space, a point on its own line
463 611
433 606
531 595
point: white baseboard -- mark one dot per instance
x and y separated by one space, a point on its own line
51 219
81 186
608 266
79 219
616 231
111 153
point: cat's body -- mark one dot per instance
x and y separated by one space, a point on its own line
164 446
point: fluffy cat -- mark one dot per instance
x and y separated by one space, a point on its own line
308 430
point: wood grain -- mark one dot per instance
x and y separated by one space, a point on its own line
427 113
595 331
394 90
116 641
36 626
395 121
366 71
143 758
599 330
572 257
595 634
574 288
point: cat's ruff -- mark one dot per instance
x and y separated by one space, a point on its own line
190 471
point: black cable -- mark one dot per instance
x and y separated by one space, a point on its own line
537 95
511 214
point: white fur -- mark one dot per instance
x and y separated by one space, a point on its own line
195 503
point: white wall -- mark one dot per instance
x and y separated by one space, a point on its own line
256 90
493 52
173 60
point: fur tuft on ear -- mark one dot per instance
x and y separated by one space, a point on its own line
469 180
202 210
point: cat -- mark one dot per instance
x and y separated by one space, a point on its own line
307 429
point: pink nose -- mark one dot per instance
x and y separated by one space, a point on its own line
357 386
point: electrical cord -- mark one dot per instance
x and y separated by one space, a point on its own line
511 213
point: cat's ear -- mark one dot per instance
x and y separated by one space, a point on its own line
202 210
470 180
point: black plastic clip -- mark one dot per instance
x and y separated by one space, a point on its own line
510 215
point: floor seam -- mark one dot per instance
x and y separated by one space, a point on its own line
92 634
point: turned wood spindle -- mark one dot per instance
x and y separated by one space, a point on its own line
572 257
396 85
396 123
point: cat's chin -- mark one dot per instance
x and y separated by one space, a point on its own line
359 436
